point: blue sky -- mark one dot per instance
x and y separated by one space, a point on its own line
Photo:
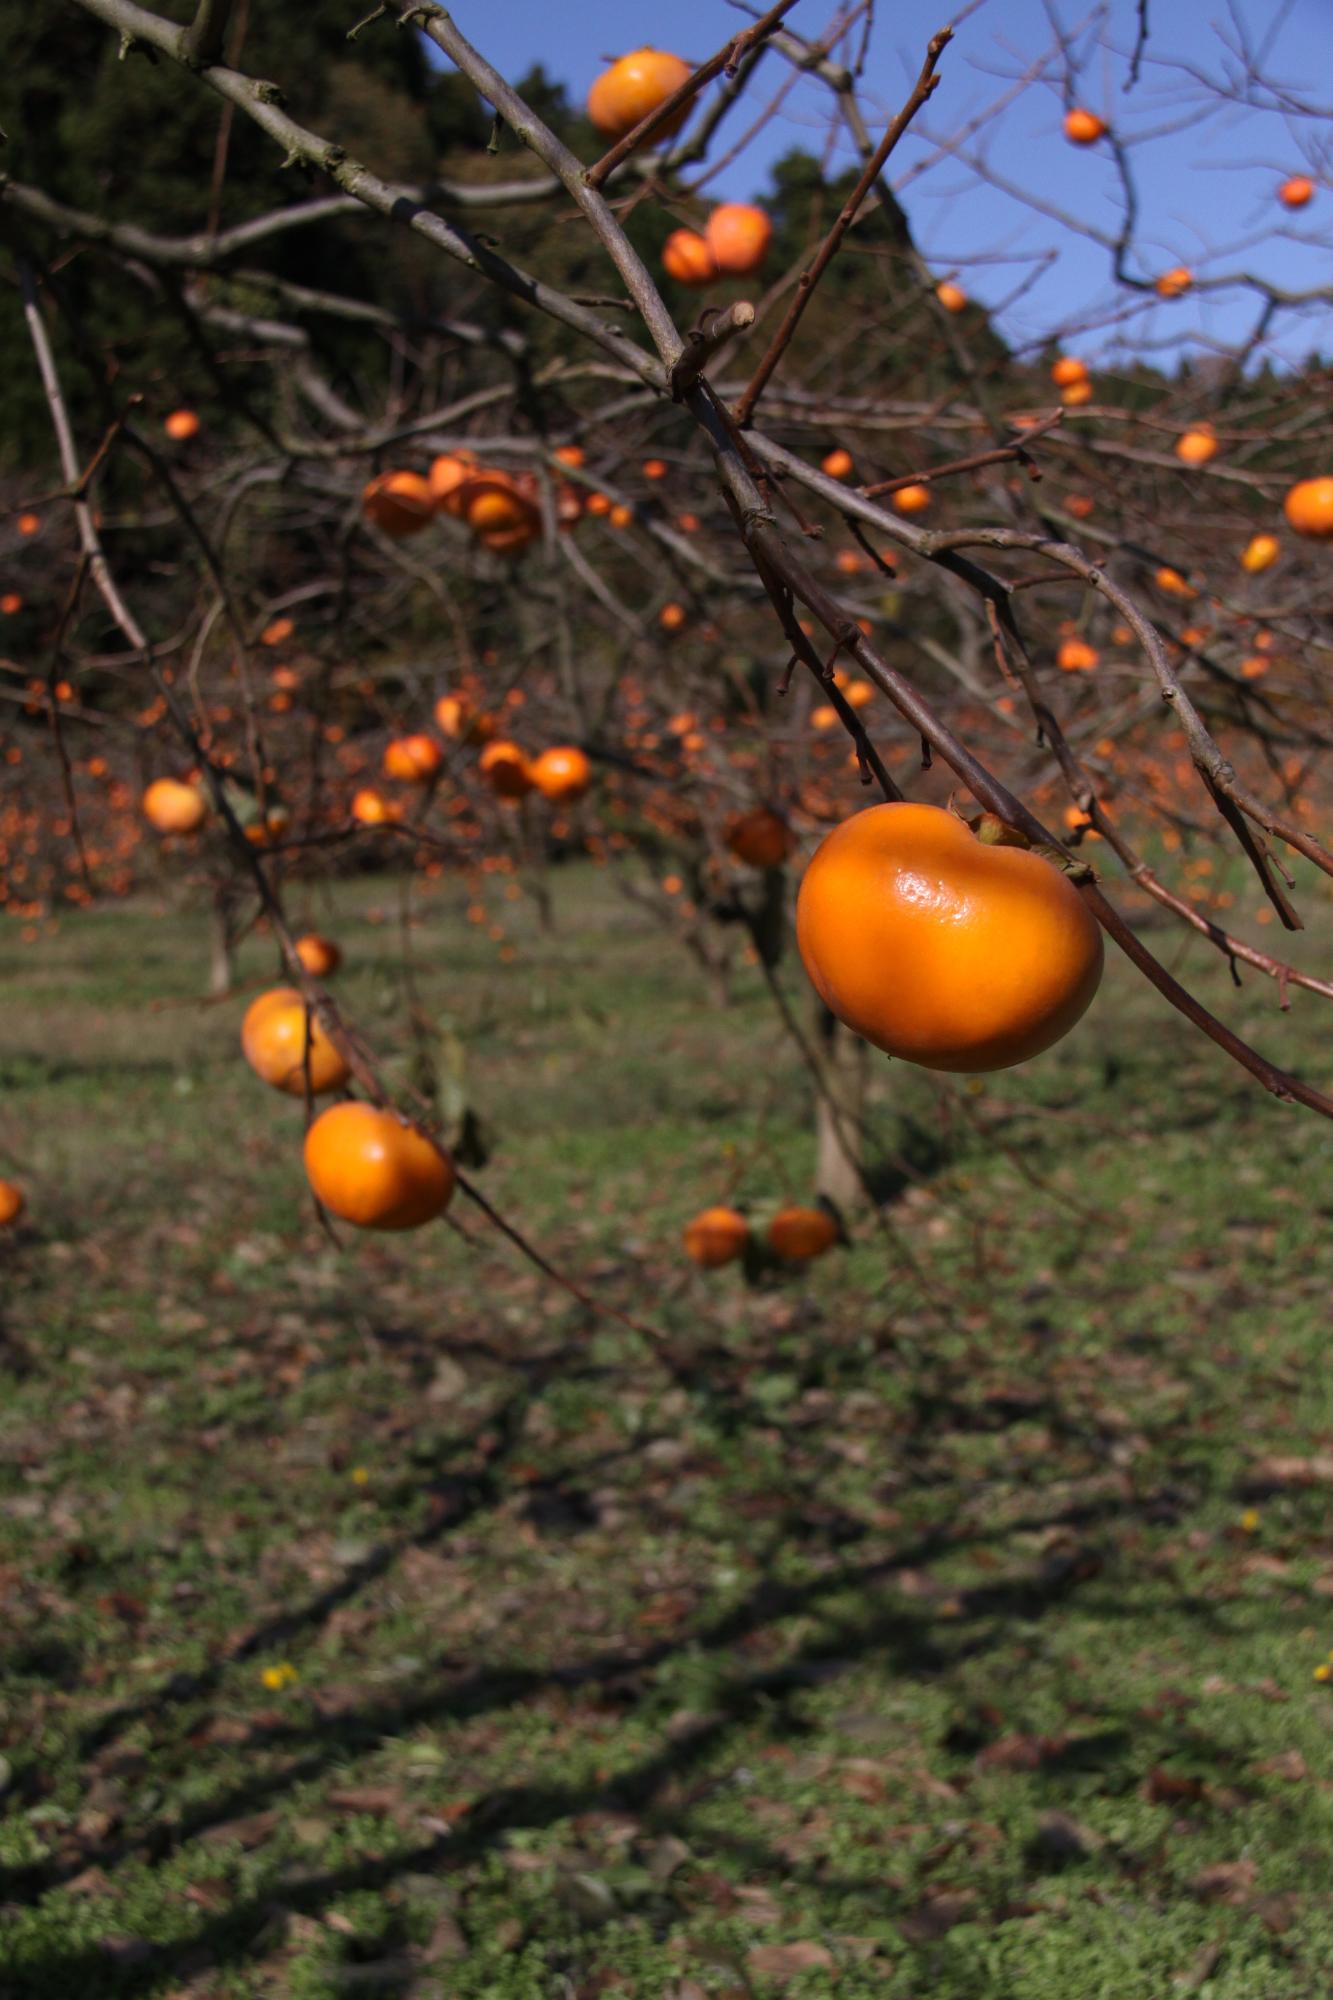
1207 177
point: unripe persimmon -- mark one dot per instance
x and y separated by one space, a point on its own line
320 956
172 807
911 499
561 774
1309 508
11 1202
716 1236
1083 128
398 503
273 1042
738 235
368 1168
505 769
412 759
941 949
687 258
632 88
1296 192
797 1234
759 838
181 426
1260 553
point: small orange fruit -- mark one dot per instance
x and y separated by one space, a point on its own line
911 499
561 774
11 1202
797 1234
597 503
447 475
759 838
28 524
1174 584
1174 283
320 956
654 468
738 235
941 949
716 1236
620 515
273 1042
1076 656
632 88
369 809
1196 447
413 759
505 769
277 631
1260 553
838 464
1076 393
172 807
367 1167
952 297
1081 505
1309 508
1083 128
1068 370
11 604
461 722
181 426
398 503
1296 192
572 455
687 258
1255 667
671 617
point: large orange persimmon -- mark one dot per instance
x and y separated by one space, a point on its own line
273 1042
11 1202
738 234
399 503
1068 370
632 88
716 1236
172 807
505 769
561 774
759 838
369 1168
941 949
320 956
414 759
1083 128
687 258
1309 508
1197 446
1296 192
181 426
797 1234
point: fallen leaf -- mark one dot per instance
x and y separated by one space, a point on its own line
1225 1882
785 1961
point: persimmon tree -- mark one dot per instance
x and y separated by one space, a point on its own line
669 568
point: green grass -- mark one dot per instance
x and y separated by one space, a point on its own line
896 1628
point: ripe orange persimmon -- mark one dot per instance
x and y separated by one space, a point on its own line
273 1042
1173 283
797 1234
28 524
11 604
320 956
632 88
277 631
738 235
716 1236
858 693
572 455
838 464
1076 656
1196 447
687 258
369 1168
398 503
447 475
1067 370
1296 192
494 502
952 297
172 807
1260 553
370 809
941 949
1174 584
1081 505
1076 393
911 499
759 838
505 769
561 774
413 759
671 617
597 503
654 468
1309 508
620 515
1083 128
11 1202
461 722
849 562
181 425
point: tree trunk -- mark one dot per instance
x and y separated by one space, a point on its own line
839 1112
222 944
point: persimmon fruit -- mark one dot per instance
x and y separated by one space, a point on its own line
561 774
398 503
759 838
911 499
448 474
1260 553
837 464
1197 446
738 235
1309 508
626 93
319 956
505 769
11 1202
941 949
369 809
687 258
952 297
798 1234
1068 370
1083 128
1296 192
412 759
715 1237
181 426
273 1042
1173 284
368 1168
1076 656
173 807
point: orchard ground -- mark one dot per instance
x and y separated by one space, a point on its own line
943 1618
